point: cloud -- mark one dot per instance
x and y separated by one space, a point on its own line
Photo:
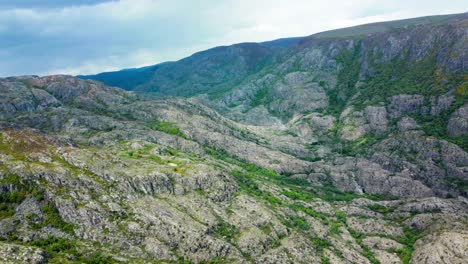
75 38
47 3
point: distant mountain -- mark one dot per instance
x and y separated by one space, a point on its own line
210 71
221 69
283 42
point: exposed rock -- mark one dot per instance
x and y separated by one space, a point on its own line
10 253
447 247
458 122
321 122
377 118
29 210
7 227
381 243
373 226
400 105
407 123
441 103
387 258
355 125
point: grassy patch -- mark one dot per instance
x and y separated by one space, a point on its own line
296 222
53 218
335 228
458 183
8 200
58 249
320 244
166 127
325 260
225 230
360 145
347 78
259 96
380 208
410 237
308 211
366 251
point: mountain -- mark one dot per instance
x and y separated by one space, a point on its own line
223 69
347 146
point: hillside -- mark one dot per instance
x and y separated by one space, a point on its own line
348 146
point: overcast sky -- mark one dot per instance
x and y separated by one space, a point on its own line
90 36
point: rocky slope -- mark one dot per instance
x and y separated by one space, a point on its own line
345 147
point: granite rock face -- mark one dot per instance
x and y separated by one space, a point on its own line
405 104
458 123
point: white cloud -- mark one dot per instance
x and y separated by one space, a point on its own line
128 33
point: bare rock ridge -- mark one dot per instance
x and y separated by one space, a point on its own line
348 146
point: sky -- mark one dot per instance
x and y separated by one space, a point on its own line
43 37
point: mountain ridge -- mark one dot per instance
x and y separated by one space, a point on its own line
353 31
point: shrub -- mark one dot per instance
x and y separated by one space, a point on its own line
380 208
320 244
225 230
99 258
53 218
166 127
296 222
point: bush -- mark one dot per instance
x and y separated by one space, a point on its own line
99 258
53 218
166 127
296 222
320 244
56 245
335 228
225 230
380 208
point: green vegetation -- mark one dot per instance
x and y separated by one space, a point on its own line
59 248
293 188
366 251
225 230
458 183
55 245
166 127
324 260
401 75
259 96
145 152
335 228
346 80
308 211
360 145
8 200
437 125
380 208
320 244
295 195
53 218
296 222
408 240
